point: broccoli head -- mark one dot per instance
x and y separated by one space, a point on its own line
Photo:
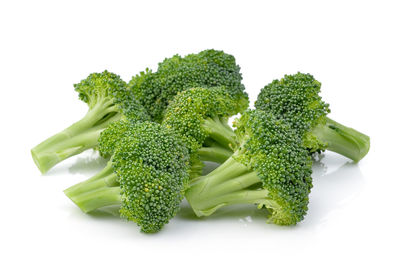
209 68
296 100
200 116
146 175
270 168
108 100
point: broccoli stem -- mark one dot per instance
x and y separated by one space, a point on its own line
75 139
343 140
103 176
94 189
214 154
101 197
228 184
220 132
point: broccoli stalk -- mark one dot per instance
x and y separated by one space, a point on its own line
214 154
109 100
219 131
98 191
220 142
229 184
270 168
80 136
342 139
98 198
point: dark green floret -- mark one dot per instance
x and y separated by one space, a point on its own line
111 137
146 176
200 116
270 168
209 68
296 100
109 100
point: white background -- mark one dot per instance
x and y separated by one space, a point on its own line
352 47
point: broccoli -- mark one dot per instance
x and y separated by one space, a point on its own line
146 176
200 116
109 100
208 68
147 95
295 99
269 168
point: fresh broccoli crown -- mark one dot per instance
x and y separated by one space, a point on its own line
296 100
136 83
208 68
109 88
133 110
151 163
111 136
273 150
98 86
190 108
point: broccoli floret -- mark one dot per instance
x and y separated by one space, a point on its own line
295 99
109 100
208 68
200 116
146 175
111 137
270 168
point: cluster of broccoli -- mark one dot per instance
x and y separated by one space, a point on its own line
159 129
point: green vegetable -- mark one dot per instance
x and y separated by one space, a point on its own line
200 116
295 99
209 68
146 176
270 168
109 100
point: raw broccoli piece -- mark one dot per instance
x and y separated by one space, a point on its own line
295 99
270 168
208 68
146 176
200 116
109 100
111 137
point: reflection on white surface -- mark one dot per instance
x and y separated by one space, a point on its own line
336 181
88 164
